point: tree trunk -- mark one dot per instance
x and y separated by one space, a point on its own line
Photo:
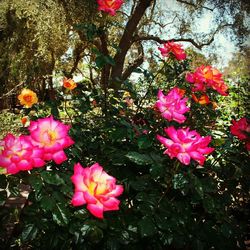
126 42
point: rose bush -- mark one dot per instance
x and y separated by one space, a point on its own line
192 196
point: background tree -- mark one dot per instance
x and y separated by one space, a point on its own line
35 36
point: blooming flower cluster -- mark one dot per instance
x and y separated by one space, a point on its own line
172 106
175 49
185 145
207 77
97 189
46 142
27 98
110 6
241 129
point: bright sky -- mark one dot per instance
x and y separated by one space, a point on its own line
222 46
225 47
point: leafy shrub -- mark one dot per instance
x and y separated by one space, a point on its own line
165 204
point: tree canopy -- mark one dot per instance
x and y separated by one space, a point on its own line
39 38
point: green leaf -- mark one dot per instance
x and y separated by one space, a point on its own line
209 185
100 61
144 142
179 181
162 221
47 203
29 232
84 229
157 170
95 235
60 214
36 182
226 230
81 214
156 157
58 196
139 184
209 204
199 245
2 171
112 244
14 190
140 159
137 70
109 60
90 30
52 178
119 134
147 202
124 237
146 227
168 239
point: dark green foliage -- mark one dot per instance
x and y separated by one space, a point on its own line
165 205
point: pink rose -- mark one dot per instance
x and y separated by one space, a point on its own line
52 136
97 189
18 154
172 106
186 145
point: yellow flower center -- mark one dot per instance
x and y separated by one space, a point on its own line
110 3
48 137
208 75
91 188
97 188
52 135
27 98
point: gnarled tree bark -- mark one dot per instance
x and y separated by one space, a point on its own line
126 42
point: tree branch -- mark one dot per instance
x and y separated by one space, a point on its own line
193 5
106 68
126 40
11 91
161 41
78 56
129 70
164 25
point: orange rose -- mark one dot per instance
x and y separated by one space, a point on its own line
27 98
69 83
204 99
